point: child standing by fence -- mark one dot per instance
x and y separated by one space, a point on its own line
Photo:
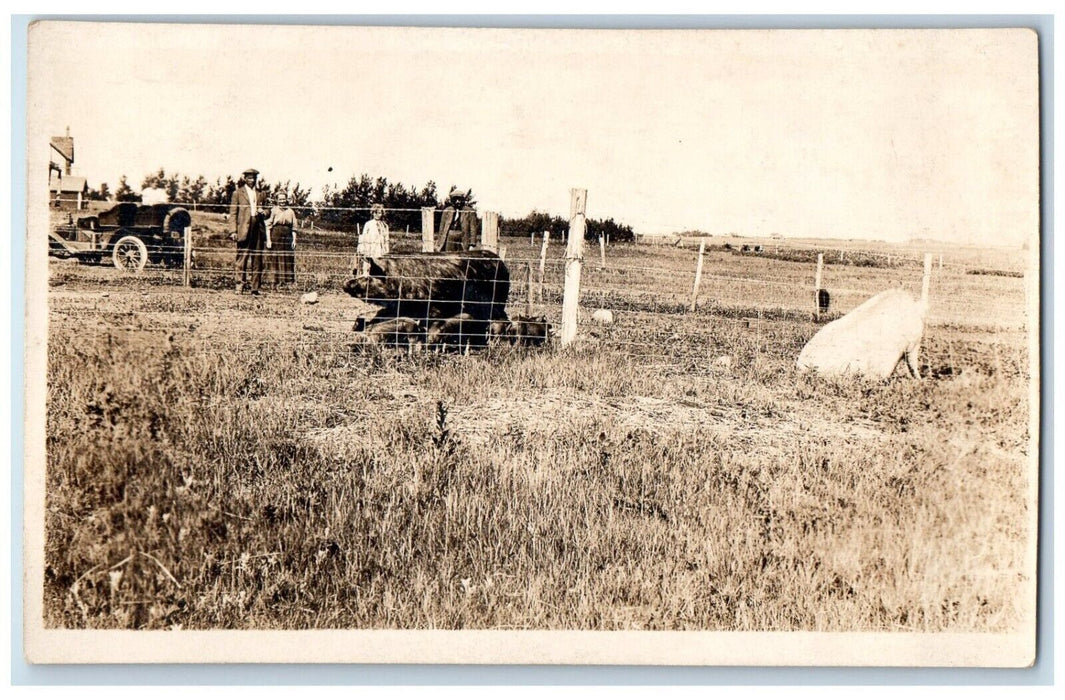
374 241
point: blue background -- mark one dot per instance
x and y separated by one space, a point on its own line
333 674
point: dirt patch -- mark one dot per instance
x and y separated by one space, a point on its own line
483 422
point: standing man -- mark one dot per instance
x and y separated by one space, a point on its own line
245 210
459 227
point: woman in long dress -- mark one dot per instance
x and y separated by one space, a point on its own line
374 241
281 243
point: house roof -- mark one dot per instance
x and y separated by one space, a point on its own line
70 183
64 145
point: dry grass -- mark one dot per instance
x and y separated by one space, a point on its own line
218 461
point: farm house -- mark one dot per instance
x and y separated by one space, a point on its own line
65 191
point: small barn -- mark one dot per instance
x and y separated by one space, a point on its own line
68 192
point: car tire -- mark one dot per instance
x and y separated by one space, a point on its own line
129 254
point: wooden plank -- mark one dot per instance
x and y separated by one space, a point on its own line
574 260
428 230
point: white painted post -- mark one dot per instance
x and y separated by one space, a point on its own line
187 264
528 289
427 230
817 283
490 231
602 252
574 260
698 273
543 262
503 253
926 281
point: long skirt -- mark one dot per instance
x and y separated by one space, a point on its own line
280 257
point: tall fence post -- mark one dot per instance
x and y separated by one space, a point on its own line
602 251
574 258
528 289
926 280
490 231
817 284
698 273
543 263
187 263
428 230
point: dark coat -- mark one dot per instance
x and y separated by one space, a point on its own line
466 237
241 213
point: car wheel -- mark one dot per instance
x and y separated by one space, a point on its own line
130 254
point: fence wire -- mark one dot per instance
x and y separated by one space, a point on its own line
636 300
652 316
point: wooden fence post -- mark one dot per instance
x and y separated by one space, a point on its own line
602 252
503 253
187 264
698 273
543 262
490 231
926 280
574 258
817 284
528 289
428 230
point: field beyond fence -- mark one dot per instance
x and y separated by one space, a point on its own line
222 461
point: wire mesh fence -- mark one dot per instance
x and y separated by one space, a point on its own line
636 299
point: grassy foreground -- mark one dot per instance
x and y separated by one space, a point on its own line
203 483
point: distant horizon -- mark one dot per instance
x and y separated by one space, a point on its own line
899 134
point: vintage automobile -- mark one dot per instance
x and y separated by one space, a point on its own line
130 234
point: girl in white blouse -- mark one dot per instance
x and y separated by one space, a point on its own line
374 241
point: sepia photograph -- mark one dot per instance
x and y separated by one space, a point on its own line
532 346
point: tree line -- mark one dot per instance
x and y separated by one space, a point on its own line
338 207
344 208
536 222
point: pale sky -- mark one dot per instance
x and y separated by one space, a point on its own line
886 134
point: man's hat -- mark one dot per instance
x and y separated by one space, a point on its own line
250 171
455 192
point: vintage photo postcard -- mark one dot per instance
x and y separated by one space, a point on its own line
554 346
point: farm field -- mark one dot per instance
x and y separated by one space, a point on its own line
223 461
